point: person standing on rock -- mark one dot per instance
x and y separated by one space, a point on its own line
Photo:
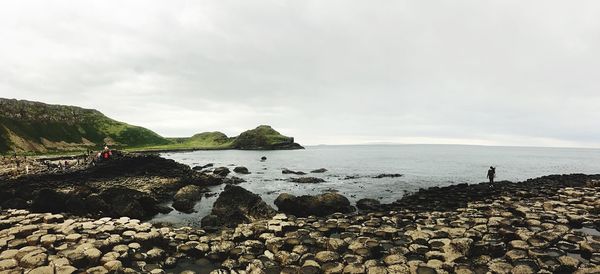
491 174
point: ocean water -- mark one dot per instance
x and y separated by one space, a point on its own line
351 169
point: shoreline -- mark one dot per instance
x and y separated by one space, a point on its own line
523 233
541 225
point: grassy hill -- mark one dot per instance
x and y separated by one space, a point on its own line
34 127
260 138
264 137
38 128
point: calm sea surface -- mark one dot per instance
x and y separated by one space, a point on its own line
422 166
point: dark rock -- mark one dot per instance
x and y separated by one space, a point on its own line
49 200
387 175
130 203
319 205
306 180
237 205
186 197
241 170
94 203
184 205
163 209
16 203
264 158
233 180
368 204
209 180
287 171
320 170
198 168
210 220
76 204
221 171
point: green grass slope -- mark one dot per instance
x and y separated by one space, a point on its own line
33 127
260 138
264 138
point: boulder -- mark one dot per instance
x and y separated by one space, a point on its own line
186 197
221 171
241 170
76 204
233 180
237 205
129 202
16 203
49 200
319 205
320 170
387 175
368 204
95 204
288 171
198 168
306 180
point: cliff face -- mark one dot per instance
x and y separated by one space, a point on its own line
27 126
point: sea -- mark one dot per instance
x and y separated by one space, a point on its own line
351 169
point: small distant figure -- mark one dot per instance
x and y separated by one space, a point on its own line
491 174
264 158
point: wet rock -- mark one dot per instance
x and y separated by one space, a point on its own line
237 205
288 171
221 171
306 180
320 170
368 204
319 205
233 180
186 197
241 170
387 175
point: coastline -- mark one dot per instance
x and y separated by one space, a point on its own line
542 225
552 227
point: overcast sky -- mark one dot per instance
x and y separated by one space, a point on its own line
327 72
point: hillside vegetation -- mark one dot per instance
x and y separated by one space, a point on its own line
261 138
37 128
33 127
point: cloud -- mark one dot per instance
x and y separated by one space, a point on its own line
485 72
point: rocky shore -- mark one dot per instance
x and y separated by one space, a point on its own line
92 220
551 228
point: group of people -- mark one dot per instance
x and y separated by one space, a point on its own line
103 155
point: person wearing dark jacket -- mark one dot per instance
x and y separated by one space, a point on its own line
491 174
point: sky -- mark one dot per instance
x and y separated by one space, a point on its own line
523 73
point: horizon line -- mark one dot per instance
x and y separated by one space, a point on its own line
450 144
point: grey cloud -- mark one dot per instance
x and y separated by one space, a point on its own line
499 72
